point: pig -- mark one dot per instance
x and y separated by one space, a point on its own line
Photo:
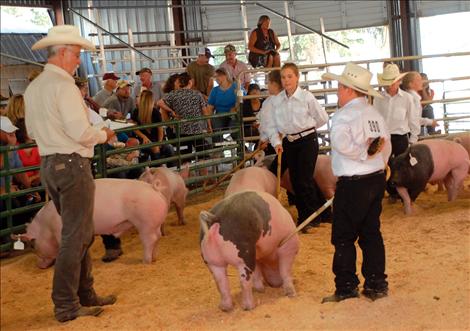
171 185
245 230
252 178
323 174
120 204
430 161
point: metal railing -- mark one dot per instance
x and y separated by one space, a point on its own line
218 158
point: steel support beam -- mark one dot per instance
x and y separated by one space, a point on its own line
110 33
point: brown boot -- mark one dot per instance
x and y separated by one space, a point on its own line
101 301
111 255
83 311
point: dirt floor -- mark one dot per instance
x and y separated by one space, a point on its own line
428 264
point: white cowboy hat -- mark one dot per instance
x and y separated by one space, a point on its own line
390 75
7 125
63 35
355 77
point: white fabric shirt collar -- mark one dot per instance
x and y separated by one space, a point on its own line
60 71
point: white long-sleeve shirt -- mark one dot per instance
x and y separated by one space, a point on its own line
352 128
419 110
294 114
399 113
263 117
57 117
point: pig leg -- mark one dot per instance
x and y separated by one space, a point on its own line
453 182
179 212
403 192
258 279
286 260
220 276
246 282
149 238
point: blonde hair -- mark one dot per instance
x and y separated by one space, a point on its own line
15 108
408 79
145 107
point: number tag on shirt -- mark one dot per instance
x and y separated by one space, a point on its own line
372 128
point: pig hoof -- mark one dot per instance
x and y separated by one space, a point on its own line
290 291
259 289
248 306
226 307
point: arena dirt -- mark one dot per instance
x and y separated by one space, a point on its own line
428 263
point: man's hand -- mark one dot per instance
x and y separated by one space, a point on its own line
278 149
434 123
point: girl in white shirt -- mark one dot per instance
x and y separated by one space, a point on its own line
295 115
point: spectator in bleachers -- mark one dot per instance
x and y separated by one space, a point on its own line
3 105
264 45
202 72
110 83
172 83
234 67
121 103
427 94
15 108
28 156
186 103
145 114
147 83
8 138
274 88
82 84
251 107
223 99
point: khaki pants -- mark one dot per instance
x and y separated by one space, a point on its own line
70 184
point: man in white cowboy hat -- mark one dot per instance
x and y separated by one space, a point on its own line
360 147
56 116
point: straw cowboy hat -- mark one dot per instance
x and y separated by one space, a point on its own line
390 75
355 77
63 35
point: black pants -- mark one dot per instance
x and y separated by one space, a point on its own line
356 214
300 157
400 143
111 242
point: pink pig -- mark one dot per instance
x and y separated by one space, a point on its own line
323 174
120 204
252 178
245 230
171 185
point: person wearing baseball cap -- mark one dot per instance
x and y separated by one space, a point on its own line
202 72
120 104
147 83
360 147
56 117
234 67
109 80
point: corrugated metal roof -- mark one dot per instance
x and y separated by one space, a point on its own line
19 45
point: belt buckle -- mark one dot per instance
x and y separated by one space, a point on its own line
291 138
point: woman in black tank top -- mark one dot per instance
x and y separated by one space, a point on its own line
264 45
